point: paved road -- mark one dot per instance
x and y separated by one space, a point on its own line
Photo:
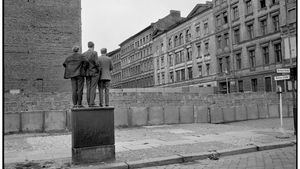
151 141
283 158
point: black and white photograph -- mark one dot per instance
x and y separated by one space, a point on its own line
150 84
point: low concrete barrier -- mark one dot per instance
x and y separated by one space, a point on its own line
186 114
156 115
12 122
149 108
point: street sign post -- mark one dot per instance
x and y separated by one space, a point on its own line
284 77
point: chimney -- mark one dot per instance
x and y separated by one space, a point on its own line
175 13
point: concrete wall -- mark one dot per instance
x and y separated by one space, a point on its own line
42 112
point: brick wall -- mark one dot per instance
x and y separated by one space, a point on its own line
38 36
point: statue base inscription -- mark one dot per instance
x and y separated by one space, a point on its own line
93 137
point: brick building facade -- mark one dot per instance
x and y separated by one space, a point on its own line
38 36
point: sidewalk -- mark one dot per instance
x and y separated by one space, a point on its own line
144 143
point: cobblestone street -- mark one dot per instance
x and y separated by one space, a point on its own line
283 158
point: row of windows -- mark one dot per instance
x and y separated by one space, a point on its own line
116 78
263 23
116 57
182 56
266 85
143 40
252 57
179 40
138 55
117 67
144 66
179 76
137 43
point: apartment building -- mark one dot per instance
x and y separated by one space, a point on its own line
184 54
249 44
137 53
233 45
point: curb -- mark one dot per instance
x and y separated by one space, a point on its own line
181 158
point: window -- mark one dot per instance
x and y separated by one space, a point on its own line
199 51
198 29
176 41
225 18
200 70
227 64
252 58
219 22
207 68
274 2
262 4
171 77
238 61
220 65
235 12
206 47
254 85
190 73
189 54
241 86
177 58
158 78
177 75
181 58
263 26
275 20
170 60
170 42
291 15
219 41
237 35
163 77
226 39
250 31
268 84
180 39
278 55
205 28
265 52
188 35
162 61
157 62
249 9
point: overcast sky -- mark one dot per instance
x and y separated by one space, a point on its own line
109 22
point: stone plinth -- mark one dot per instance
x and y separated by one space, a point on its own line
93 138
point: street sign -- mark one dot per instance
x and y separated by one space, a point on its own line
284 77
283 70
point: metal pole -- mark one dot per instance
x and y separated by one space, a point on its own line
294 106
227 84
280 107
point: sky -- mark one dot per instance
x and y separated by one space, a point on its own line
109 22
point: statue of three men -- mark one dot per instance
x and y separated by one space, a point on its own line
96 71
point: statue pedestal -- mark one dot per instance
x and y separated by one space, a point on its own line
93 138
